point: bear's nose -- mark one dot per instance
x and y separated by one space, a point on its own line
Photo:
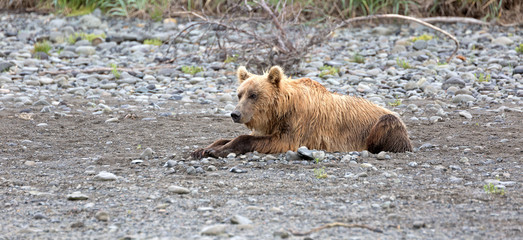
236 115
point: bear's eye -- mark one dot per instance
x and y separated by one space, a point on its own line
252 96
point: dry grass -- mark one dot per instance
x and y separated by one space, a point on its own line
506 11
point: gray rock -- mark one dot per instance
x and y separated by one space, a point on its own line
39 216
178 189
362 175
418 224
191 170
214 230
105 176
453 179
398 49
517 70
413 164
463 98
291 156
281 234
241 220
318 155
102 216
147 154
110 85
465 114
57 23
305 153
170 163
455 167
4 66
453 81
90 21
41 102
237 170
502 41
383 156
67 54
364 154
85 50
77 196
420 44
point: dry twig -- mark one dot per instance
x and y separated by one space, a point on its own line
335 224
104 69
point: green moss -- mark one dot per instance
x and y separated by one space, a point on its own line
425 37
231 59
483 77
44 47
402 63
155 42
320 173
491 189
519 49
357 58
115 71
71 39
328 70
191 69
396 103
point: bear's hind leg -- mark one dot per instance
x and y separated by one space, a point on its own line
388 134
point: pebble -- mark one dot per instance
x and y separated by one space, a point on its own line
305 153
102 216
241 220
463 98
420 44
383 156
413 164
455 167
146 154
30 163
237 170
178 190
502 41
465 114
214 230
418 224
39 216
112 120
77 196
292 156
453 179
170 163
105 176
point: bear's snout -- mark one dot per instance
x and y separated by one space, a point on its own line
236 116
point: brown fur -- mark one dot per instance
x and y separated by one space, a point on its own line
285 114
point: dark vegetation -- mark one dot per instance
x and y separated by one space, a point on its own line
505 11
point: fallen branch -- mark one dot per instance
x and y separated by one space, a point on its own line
103 69
396 16
335 224
454 20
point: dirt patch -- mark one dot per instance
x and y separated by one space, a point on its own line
441 197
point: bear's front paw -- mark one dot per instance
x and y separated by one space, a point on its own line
200 153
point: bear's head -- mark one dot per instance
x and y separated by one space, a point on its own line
256 96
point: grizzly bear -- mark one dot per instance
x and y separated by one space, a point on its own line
285 114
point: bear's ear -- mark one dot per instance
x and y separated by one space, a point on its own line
242 74
275 75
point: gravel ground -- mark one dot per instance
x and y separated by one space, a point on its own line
94 156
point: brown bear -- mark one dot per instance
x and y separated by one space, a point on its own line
285 114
